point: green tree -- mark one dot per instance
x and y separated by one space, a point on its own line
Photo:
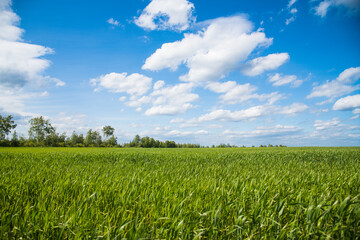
15 140
108 131
92 138
76 140
136 141
6 124
40 129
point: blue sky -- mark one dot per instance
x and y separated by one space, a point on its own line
208 72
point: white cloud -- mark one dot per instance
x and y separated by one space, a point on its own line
334 129
134 84
347 103
270 62
251 113
20 62
171 100
279 80
273 131
324 6
177 120
338 87
167 14
238 93
112 21
293 109
177 133
167 132
12 101
291 2
322 125
122 99
293 10
138 101
211 53
356 111
69 123
289 20
164 100
349 75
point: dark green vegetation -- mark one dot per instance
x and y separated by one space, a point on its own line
43 134
267 193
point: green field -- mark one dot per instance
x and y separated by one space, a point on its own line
242 193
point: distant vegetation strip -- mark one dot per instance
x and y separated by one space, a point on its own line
43 134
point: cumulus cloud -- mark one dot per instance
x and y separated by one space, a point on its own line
265 131
251 113
349 75
20 62
280 80
347 103
324 6
338 87
134 84
238 93
164 100
171 100
166 14
211 53
270 62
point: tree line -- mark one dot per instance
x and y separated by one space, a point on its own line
43 134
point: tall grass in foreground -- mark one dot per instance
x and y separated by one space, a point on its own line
294 193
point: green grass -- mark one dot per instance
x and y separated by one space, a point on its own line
285 193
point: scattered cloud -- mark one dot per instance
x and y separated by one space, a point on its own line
259 65
292 11
211 53
338 87
334 129
293 109
347 103
135 84
12 101
289 20
171 100
166 15
113 22
167 132
322 125
356 111
291 2
69 123
280 80
352 6
251 113
349 75
272 131
20 63
237 93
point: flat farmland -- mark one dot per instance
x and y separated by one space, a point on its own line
133 193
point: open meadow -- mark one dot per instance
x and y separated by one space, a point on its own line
240 193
